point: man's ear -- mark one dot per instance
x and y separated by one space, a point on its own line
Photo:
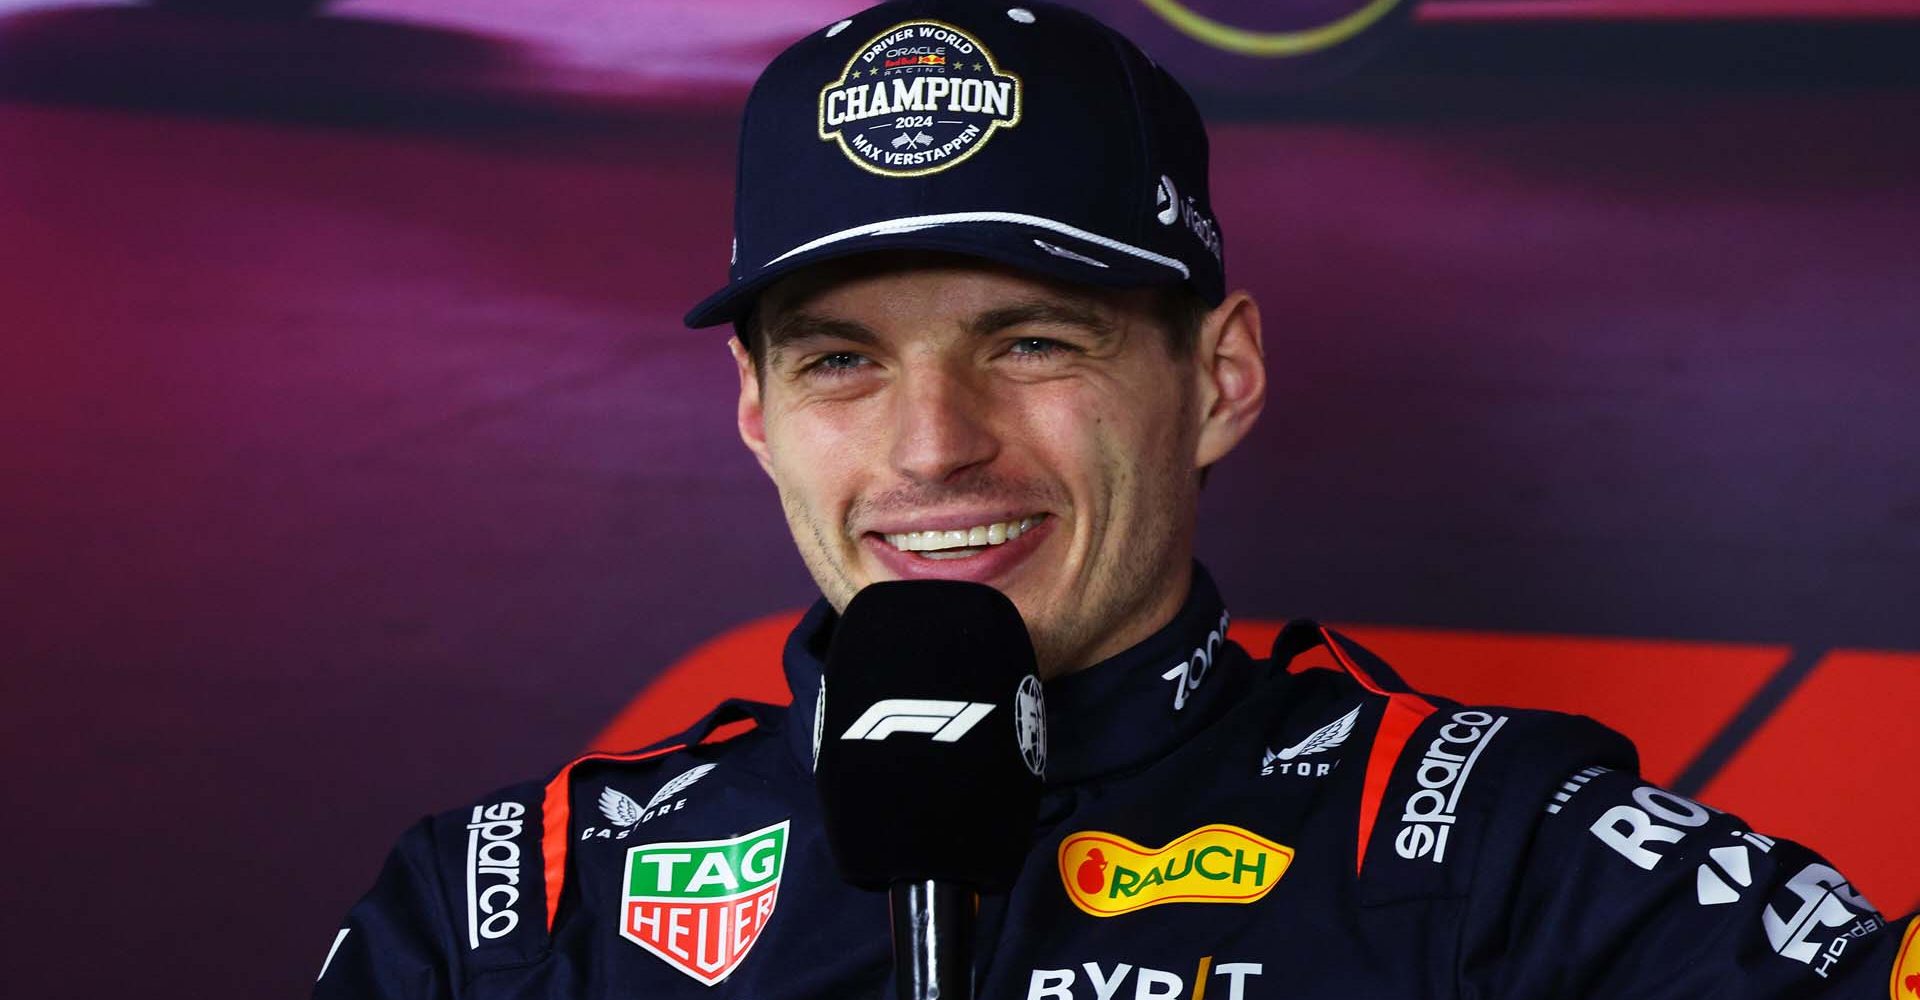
751 418
1230 365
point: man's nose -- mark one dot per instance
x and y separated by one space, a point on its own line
940 426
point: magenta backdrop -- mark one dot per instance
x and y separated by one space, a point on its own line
355 461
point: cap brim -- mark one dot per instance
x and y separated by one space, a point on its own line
1046 251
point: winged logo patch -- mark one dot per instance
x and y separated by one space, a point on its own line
1327 737
624 812
679 784
619 807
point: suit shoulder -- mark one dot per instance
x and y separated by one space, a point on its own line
1446 782
501 861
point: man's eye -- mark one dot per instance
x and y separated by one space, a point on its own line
1038 347
837 363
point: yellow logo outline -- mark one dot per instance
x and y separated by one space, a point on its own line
1906 960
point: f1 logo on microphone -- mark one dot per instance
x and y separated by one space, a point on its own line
946 720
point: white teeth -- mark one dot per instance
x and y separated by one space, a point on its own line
932 542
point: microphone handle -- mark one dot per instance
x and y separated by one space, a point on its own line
933 940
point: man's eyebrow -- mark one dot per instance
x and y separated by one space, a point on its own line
794 327
1053 311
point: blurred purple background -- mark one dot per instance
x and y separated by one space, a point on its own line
355 460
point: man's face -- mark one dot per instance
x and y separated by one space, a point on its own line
954 420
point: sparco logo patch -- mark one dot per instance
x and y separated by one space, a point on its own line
1429 813
918 98
700 905
1107 874
493 871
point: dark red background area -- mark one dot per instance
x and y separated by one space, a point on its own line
355 461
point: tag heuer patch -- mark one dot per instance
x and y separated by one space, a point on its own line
916 99
701 904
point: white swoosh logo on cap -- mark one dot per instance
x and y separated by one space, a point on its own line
1171 198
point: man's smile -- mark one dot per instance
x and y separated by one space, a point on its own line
984 552
959 543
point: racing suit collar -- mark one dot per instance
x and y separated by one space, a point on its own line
1118 714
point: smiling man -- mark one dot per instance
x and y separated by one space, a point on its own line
983 333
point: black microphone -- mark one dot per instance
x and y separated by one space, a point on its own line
932 745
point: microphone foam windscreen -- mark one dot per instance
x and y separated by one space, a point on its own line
933 736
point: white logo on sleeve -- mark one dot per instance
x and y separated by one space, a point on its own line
1430 812
1825 899
493 871
1327 737
618 807
946 720
624 812
679 784
1657 817
1726 871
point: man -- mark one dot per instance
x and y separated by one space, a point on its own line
984 334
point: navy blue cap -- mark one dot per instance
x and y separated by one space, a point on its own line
1027 133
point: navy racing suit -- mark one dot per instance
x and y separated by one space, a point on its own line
1214 826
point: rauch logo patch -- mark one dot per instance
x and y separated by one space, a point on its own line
702 904
1107 875
918 98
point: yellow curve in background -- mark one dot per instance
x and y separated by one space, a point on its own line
1269 44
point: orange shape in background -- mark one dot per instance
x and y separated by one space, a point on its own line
743 662
1834 769
1669 697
